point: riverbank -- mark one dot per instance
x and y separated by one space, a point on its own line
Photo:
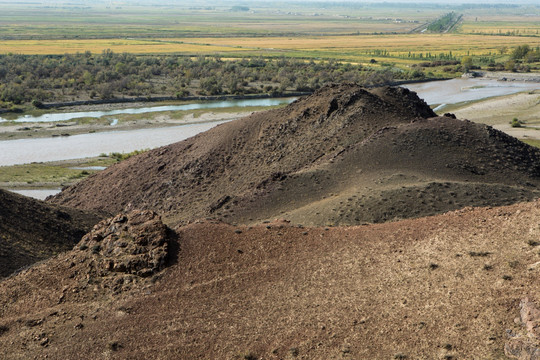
13 131
159 99
499 112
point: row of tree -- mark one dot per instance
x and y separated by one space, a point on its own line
106 75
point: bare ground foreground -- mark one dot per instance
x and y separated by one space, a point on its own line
442 287
263 248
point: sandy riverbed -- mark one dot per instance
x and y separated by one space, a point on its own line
499 112
48 129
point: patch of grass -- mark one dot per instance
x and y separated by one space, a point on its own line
516 123
39 173
50 173
513 264
532 142
124 156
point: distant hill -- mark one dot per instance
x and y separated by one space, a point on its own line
32 230
344 155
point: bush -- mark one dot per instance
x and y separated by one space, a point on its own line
37 104
516 123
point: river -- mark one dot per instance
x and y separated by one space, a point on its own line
24 151
66 116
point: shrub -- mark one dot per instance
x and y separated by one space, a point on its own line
516 123
37 104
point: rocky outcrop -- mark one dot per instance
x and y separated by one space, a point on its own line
126 247
526 346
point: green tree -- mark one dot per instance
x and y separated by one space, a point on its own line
520 52
510 65
467 63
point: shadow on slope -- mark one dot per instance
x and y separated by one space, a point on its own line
32 230
344 155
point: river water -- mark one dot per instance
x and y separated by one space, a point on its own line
40 194
53 117
24 151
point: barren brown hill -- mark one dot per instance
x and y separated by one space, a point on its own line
442 287
32 230
345 155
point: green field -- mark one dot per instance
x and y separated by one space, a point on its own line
100 20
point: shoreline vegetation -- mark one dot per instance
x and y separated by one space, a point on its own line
160 99
45 81
55 81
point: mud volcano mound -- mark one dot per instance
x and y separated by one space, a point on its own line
32 230
345 155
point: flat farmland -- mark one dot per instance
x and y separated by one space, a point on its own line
33 20
396 44
502 25
135 46
324 47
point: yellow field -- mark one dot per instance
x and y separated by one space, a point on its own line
346 47
59 47
434 43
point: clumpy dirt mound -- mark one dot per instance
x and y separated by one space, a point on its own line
133 243
32 230
442 287
345 155
119 254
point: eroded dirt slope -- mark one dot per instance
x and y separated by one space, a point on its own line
343 156
440 287
32 230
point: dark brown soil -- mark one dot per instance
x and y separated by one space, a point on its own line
343 156
443 287
32 230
